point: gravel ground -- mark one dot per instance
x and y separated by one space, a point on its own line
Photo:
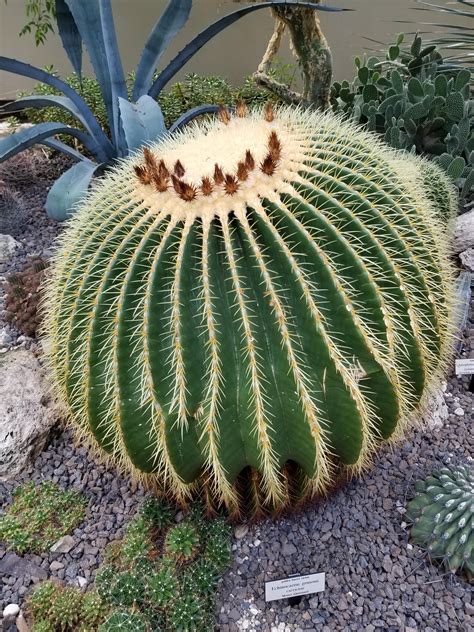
374 578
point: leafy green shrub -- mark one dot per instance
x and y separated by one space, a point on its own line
39 516
418 103
183 95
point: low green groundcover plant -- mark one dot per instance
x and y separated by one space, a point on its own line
161 577
39 516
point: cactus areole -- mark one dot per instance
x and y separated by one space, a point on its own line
249 308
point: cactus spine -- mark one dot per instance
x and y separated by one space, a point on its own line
442 513
251 306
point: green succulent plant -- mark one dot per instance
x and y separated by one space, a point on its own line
182 541
418 103
253 307
43 626
40 601
124 622
442 513
127 589
66 608
187 614
162 586
39 514
158 512
200 578
93 610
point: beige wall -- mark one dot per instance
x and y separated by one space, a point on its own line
232 54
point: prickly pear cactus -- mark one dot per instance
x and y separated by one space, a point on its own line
252 306
442 513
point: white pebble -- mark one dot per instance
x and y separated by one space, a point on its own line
459 412
11 611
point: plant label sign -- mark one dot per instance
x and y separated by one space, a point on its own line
295 586
465 366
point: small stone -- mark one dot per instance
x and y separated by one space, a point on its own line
459 412
241 531
56 566
21 623
81 581
288 549
8 245
10 612
63 545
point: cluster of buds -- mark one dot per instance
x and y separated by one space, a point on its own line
156 173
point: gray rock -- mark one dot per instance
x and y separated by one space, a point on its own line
27 413
63 545
8 245
241 531
467 259
13 565
10 612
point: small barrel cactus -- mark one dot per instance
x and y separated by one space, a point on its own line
442 513
252 306
13 212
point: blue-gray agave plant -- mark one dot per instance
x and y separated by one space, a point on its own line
132 123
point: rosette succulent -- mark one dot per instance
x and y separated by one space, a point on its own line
251 306
442 513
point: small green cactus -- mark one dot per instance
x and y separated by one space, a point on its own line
43 625
124 622
187 614
158 512
104 581
40 602
162 586
442 513
66 608
200 578
93 610
182 541
127 589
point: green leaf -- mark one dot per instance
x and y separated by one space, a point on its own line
393 52
415 88
415 48
69 190
363 74
456 168
369 93
397 81
400 38
462 79
455 106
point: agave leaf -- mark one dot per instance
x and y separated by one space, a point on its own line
105 148
167 27
93 19
188 116
48 100
214 29
142 122
69 34
15 143
69 189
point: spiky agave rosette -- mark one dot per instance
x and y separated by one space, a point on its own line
249 308
442 513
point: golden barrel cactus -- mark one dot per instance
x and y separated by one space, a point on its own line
251 307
